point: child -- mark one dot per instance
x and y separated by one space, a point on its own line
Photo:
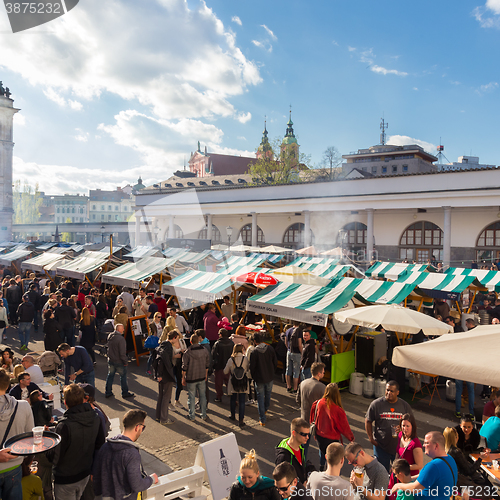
401 469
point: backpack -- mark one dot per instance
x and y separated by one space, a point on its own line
156 362
239 379
294 338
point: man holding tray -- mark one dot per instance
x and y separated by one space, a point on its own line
16 417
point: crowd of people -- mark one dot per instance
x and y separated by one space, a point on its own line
184 351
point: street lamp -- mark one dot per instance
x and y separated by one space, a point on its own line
102 233
156 230
229 232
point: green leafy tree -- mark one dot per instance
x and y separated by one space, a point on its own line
282 167
66 237
26 203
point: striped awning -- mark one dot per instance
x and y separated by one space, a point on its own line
143 251
394 270
374 292
238 265
489 279
327 270
47 245
440 285
7 258
272 258
304 260
39 262
86 263
308 303
199 286
172 252
133 274
194 257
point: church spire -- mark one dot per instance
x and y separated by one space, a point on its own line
289 134
265 148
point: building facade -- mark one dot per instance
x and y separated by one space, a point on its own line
109 206
70 208
7 112
390 160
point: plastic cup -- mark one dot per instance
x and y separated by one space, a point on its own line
34 467
395 430
358 472
37 435
495 464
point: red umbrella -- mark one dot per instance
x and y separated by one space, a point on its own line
256 278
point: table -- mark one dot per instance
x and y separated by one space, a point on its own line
431 385
494 474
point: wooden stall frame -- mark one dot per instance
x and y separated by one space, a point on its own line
129 329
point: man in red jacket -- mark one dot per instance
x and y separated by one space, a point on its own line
210 321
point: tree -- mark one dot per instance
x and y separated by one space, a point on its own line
329 168
66 237
282 167
26 203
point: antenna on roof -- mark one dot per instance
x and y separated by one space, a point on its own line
383 127
440 154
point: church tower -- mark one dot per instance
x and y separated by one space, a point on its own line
7 112
264 150
290 146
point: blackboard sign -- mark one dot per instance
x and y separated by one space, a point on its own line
136 333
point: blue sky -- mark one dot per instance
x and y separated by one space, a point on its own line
117 89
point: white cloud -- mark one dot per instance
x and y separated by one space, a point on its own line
269 32
384 71
493 5
404 140
81 135
489 87
77 106
455 82
335 43
244 117
351 49
415 88
484 17
185 64
236 20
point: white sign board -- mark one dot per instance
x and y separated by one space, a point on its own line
221 459
136 327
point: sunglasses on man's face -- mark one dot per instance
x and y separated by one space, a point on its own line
305 434
283 488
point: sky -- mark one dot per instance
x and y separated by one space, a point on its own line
118 89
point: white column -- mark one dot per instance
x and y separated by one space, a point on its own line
137 229
209 226
171 229
307 228
254 229
369 234
447 237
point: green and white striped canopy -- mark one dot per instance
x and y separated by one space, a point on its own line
143 251
305 260
133 274
236 265
375 292
78 268
19 253
393 270
440 285
327 270
39 262
194 257
308 303
199 286
489 279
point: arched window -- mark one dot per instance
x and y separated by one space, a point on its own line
422 241
355 235
488 243
294 235
216 238
246 235
177 232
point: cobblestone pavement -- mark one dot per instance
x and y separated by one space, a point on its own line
176 445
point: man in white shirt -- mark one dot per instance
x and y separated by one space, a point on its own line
34 370
128 299
180 321
226 307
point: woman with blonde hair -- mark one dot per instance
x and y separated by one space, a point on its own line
331 421
237 386
250 485
87 327
170 325
469 474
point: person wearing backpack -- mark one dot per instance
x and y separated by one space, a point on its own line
294 343
237 368
164 373
221 352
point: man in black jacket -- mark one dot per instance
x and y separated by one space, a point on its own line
263 364
65 316
35 299
308 354
221 352
26 315
287 482
81 435
13 295
166 378
25 387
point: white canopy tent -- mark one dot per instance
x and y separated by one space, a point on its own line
470 356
